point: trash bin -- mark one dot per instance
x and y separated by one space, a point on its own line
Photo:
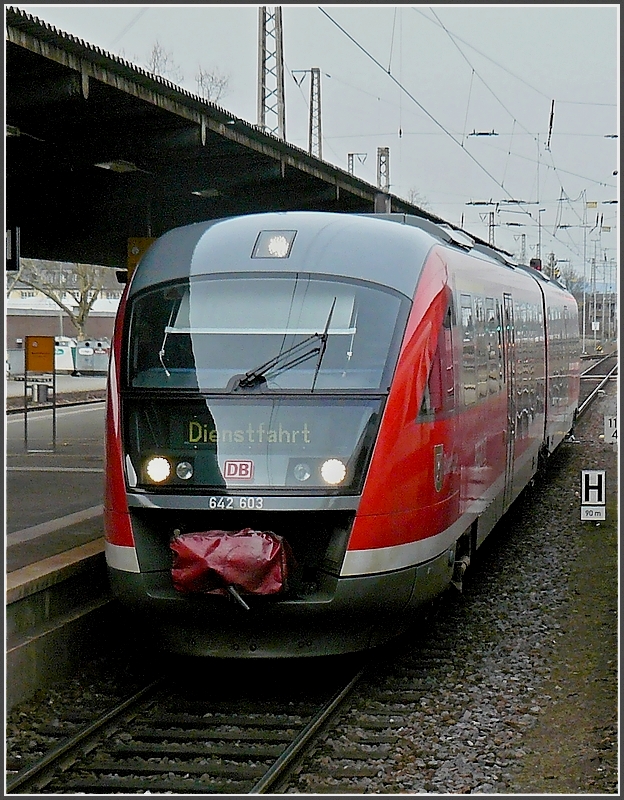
92 357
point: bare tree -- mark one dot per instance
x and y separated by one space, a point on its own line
80 282
12 278
571 279
417 199
161 63
212 85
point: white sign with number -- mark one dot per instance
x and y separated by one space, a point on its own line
593 513
610 430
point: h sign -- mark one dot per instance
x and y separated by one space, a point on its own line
593 487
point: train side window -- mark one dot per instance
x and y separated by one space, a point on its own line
481 348
469 366
448 371
499 330
439 396
491 343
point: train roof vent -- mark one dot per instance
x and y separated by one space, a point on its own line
439 230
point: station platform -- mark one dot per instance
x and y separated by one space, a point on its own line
31 545
69 389
35 543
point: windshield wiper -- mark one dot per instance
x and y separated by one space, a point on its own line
161 352
275 367
174 294
323 348
259 374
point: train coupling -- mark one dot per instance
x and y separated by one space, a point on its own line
461 565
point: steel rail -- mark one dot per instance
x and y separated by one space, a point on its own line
592 396
39 770
285 762
601 360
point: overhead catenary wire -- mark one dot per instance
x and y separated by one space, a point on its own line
472 74
508 71
392 40
417 102
536 137
558 169
433 119
459 141
512 132
445 131
509 151
483 81
442 127
455 37
132 22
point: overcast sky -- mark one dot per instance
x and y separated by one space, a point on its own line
420 80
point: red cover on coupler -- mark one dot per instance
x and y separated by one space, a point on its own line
256 562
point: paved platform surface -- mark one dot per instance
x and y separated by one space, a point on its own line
32 544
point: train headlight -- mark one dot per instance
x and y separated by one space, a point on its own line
184 470
333 471
302 471
273 244
278 246
158 469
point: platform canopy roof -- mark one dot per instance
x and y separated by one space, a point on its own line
98 151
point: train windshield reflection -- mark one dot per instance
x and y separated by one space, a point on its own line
201 333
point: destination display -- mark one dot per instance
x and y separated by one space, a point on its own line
254 442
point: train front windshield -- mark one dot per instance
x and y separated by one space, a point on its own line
264 382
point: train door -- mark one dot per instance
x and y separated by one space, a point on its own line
509 377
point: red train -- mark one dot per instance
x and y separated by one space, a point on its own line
315 419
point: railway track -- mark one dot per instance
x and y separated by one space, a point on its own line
593 379
177 742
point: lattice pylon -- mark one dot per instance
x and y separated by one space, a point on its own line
383 168
271 105
315 144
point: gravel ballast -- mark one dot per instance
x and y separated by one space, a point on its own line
515 681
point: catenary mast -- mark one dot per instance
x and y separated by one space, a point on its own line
271 107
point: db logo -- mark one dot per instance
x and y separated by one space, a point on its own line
240 470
